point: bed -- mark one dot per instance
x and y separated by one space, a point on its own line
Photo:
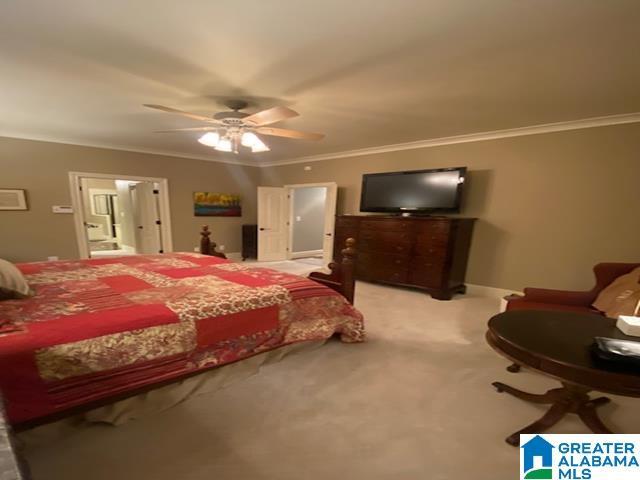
103 329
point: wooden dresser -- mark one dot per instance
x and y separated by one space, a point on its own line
429 253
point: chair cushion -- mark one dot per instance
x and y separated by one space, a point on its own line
621 297
12 283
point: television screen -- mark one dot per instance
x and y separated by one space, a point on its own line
413 191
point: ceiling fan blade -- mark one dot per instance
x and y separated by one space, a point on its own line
283 132
193 129
272 115
194 116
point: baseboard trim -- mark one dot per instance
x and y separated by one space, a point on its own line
491 292
308 253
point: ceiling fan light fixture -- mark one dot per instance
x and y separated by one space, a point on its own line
210 139
224 145
259 146
227 131
249 139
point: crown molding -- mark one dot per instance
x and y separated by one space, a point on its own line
470 137
433 142
124 148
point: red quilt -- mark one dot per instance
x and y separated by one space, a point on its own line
101 327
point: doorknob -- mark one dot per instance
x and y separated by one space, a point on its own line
261 229
328 234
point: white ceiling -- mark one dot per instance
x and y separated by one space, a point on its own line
365 72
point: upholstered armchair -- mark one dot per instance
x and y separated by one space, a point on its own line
544 299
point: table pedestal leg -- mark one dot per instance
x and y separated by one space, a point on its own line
568 399
514 368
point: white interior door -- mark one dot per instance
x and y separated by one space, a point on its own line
146 218
329 223
272 224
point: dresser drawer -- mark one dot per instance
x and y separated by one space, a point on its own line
383 246
426 240
426 272
346 222
428 263
434 227
382 267
387 224
384 259
384 235
385 241
379 274
434 251
426 278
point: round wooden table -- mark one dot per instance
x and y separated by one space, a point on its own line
558 345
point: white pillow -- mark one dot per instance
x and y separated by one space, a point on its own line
12 282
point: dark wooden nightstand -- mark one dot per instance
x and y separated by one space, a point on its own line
249 241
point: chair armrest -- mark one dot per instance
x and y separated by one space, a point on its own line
559 297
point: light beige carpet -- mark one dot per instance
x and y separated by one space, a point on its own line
413 402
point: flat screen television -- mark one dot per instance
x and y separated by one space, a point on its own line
418 191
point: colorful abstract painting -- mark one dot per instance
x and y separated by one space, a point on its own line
208 204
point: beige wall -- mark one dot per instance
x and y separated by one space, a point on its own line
41 168
548 206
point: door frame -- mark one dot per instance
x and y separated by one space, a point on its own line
78 212
290 188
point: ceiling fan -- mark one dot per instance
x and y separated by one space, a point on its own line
227 131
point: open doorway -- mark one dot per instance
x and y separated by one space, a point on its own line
297 222
120 215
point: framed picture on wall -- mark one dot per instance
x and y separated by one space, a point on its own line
209 204
13 199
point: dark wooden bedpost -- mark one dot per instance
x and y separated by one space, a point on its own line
348 269
342 276
208 246
205 241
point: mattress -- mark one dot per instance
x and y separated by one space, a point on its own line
100 328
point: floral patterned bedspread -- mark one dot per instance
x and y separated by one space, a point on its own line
100 327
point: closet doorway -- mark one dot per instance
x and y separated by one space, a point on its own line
118 215
297 222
